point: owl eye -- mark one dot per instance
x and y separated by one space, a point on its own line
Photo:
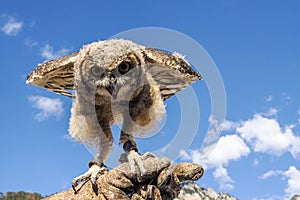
124 67
96 71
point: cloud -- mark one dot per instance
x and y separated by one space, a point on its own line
285 97
213 134
47 107
293 179
255 162
298 121
271 173
30 43
272 112
270 197
266 136
48 52
269 98
228 148
11 26
225 181
293 176
262 134
225 125
230 125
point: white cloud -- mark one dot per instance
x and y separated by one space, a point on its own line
262 133
272 112
30 43
293 183
228 148
270 197
11 26
48 52
293 179
269 98
225 181
271 173
184 155
230 125
255 162
47 107
286 99
69 138
266 136
213 134
225 125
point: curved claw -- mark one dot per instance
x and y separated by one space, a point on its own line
92 174
94 185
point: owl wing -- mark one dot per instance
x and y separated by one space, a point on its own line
55 75
170 71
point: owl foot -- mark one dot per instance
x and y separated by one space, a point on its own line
135 159
92 174
136 163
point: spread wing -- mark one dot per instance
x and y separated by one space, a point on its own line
170 71
55 75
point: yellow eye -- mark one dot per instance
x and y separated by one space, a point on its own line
124 67
96 71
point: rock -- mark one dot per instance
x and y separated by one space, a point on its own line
192 191
296 197
160 182
212 193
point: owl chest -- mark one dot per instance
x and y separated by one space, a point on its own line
116 111
136 107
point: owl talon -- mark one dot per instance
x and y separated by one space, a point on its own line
94 185
136 164
92 174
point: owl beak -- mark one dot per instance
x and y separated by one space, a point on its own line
112 88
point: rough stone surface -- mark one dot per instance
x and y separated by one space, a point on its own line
160 182
296 197
192 191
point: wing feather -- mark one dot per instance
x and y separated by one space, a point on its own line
170 71
55 75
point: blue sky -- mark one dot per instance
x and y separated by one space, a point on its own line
255 46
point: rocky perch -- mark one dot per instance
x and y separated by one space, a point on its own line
160 182
192 191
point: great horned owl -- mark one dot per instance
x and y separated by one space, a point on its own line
114 80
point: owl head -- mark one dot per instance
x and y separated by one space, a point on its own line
111 68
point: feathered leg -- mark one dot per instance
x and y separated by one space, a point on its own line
133 156
136 116
96 165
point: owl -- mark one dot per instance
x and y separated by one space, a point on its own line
114 81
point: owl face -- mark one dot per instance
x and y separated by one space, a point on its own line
107 73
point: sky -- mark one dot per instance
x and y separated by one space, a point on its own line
255 46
